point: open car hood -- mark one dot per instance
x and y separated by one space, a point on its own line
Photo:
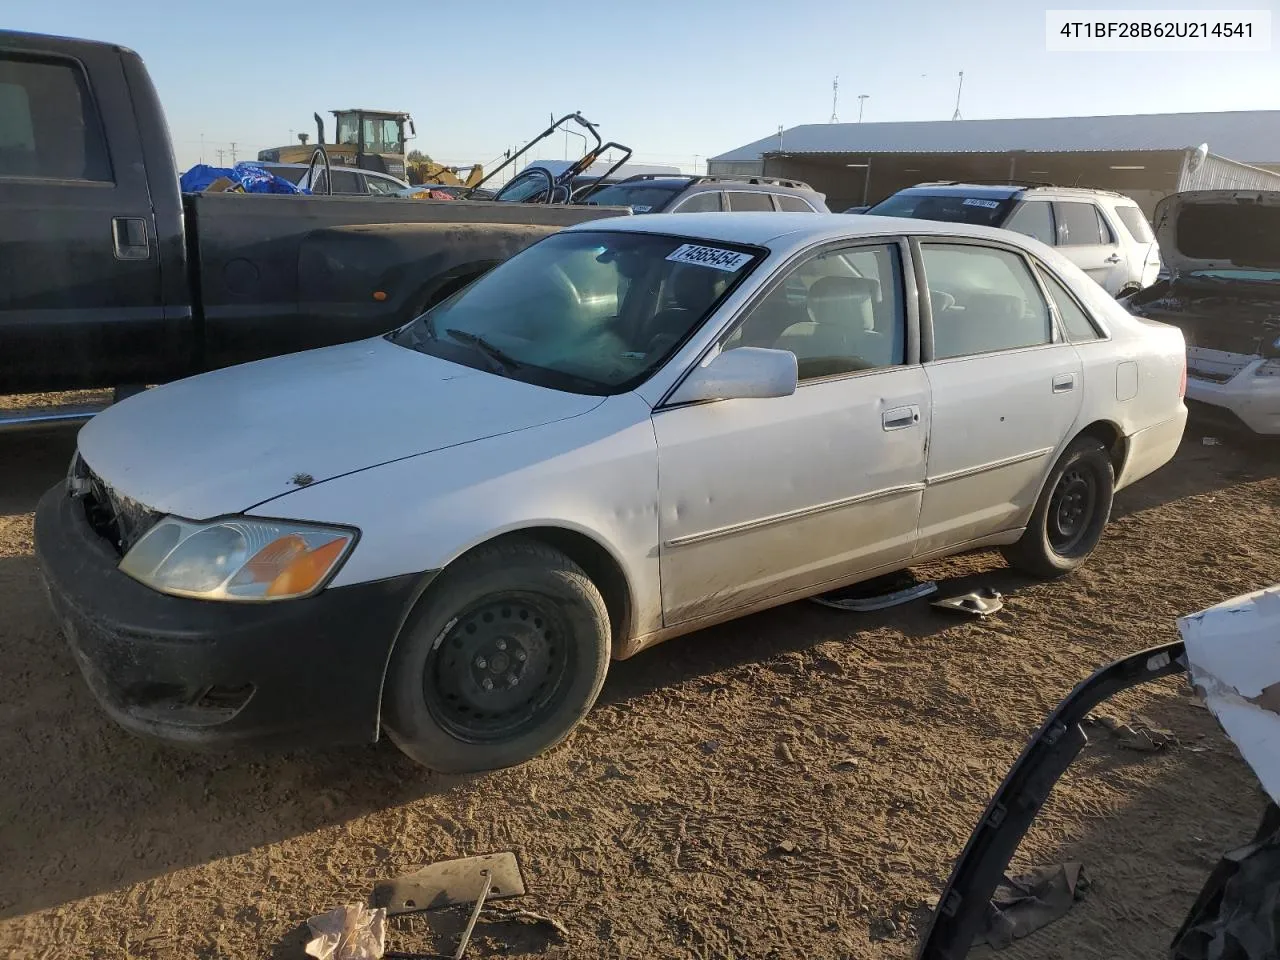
1219 230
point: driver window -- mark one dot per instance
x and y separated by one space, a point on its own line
526 188
983 300
840 312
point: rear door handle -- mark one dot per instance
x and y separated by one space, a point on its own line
899 418
1114 258
130 237
1064 383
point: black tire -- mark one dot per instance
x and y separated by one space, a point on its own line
1070 515
510 615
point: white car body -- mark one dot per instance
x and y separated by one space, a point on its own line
708 510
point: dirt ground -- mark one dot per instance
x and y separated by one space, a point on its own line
869 741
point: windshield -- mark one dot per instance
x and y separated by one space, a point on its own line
587 312
645 198
948 207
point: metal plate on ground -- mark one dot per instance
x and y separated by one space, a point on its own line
451 882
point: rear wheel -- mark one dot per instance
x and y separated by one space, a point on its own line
1071 514
506 654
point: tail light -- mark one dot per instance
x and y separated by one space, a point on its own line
1182 383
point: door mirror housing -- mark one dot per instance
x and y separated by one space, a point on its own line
741 374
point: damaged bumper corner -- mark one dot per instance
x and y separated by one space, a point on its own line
215 673
1246 387
1233 651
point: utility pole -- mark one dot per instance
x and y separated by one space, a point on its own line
233 153
220 153
835 97
862 100
959 87
202 148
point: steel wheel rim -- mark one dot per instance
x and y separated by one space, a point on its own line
1071 509
499 669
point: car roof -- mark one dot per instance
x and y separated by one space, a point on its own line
998 191
785 230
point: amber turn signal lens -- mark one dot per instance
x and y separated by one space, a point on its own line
379 295
306 570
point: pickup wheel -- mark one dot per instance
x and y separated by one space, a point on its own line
504 656
1071 514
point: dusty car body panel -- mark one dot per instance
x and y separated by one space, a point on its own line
1222 248
280 415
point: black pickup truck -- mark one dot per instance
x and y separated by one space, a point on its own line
110 277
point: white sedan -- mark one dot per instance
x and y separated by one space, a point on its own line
631 430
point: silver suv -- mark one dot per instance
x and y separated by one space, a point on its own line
1105 234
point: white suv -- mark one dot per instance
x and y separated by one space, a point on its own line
1105 234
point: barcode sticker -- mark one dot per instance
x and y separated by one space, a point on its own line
729 261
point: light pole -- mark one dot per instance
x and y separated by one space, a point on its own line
862 101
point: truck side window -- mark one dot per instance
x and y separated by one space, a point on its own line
1035 219
49 128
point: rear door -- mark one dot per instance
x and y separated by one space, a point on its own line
1005 387
1088 240
80 295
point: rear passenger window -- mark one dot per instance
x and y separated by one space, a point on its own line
1135 223
1105 233
1035 219
983 300
792 204
749 201
705 202
1074 319
1078 224
49 128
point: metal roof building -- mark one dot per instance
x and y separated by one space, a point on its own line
1137 154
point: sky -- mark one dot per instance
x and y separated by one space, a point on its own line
676 81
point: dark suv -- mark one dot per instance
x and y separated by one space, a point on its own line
667 193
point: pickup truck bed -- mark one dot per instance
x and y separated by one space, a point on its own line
109 276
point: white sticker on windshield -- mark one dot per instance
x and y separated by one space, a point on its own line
726 260
989 204
641 207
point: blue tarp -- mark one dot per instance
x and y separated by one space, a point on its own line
249 175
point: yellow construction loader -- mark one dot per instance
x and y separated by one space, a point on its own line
366 139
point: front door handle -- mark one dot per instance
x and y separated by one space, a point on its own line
900 418
1114 258
1064 383
130 237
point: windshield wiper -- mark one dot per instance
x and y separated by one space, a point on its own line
504 361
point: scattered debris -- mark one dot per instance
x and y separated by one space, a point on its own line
786 848
353 932
1211 441
709 746
846 763
302 479
784 752
452 882
882 592
979 603
1025 903
1139 734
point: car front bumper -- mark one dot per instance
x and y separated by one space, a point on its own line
205 672
1249 393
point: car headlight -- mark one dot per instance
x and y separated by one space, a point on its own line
238 558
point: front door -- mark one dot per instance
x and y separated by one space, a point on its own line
1005 390
80 297
763 498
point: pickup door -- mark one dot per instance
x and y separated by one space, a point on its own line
80 286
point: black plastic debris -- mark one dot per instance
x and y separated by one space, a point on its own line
890 590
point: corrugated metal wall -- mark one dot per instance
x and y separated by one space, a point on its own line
1219 173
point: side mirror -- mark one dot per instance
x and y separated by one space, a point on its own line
741 374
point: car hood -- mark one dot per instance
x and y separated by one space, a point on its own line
226 441
1204 230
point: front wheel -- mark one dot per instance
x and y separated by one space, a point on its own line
506 654
1070 515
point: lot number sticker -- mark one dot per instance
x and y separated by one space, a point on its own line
989 204
727 260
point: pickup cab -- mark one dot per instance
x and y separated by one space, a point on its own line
111 277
